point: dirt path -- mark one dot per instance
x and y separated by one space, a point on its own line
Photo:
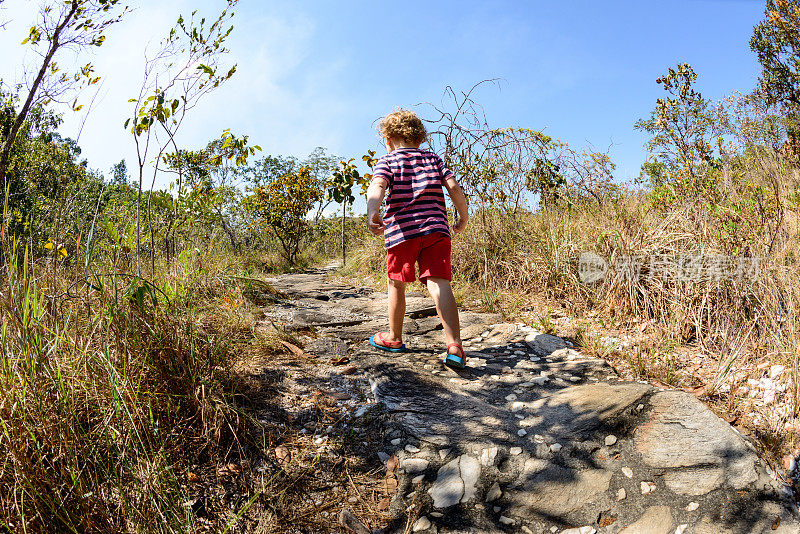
533 436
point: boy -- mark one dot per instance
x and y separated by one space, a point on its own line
415 228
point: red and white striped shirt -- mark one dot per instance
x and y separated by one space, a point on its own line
414 197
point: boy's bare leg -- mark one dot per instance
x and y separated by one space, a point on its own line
445 301
397 309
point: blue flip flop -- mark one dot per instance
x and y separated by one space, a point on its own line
379 335
456 361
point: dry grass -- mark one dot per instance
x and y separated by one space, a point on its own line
126 405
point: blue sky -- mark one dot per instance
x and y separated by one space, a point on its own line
321 72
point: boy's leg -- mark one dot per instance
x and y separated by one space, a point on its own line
397 309
445 301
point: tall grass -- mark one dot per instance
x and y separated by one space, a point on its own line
110 386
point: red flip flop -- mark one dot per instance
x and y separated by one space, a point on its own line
379 342
458 361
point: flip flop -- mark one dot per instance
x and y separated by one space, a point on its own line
379 342
457 361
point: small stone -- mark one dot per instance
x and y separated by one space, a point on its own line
423 523
692 506
647 487
553 529
581 530
506 520
382 456
513 451
437 515
539 380
555 447
517 406
776 370
412 449
494 493
522 432
496 509
414 465
526 530
417 479
681 528
621 494
488 456
610 440
538 438
443 453
320 440
396 441
628 472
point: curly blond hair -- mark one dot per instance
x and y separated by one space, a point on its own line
403 124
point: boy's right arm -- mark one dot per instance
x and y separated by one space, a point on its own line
460 203
375 193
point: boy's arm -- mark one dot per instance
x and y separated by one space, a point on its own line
375 193
460 203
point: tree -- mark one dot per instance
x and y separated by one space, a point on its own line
341 190
680 127
184 69
776 42
76 25
282 205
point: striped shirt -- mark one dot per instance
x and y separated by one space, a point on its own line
414 200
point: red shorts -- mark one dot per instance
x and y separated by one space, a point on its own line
431 251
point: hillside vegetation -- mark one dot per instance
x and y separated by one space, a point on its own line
127 312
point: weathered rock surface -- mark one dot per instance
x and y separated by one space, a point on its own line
534 436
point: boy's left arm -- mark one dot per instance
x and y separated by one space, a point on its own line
459 202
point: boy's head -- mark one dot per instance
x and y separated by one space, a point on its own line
403 126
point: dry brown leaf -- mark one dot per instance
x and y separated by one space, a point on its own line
192 477
389 486
283 455
340 361
391 464
349 370
383 504
297 351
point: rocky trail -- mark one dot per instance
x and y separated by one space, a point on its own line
533 436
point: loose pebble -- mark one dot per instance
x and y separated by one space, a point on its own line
417 479
647 487
412 449
496 509
511 397
494 493
443 453
517 406
681 528
692 506
382 456
396 441
423 523
610 440
621 494
555 447
506 520
628 472
515 451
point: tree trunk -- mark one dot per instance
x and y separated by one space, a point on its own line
344 207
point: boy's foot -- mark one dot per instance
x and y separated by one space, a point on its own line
379 341
457 360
